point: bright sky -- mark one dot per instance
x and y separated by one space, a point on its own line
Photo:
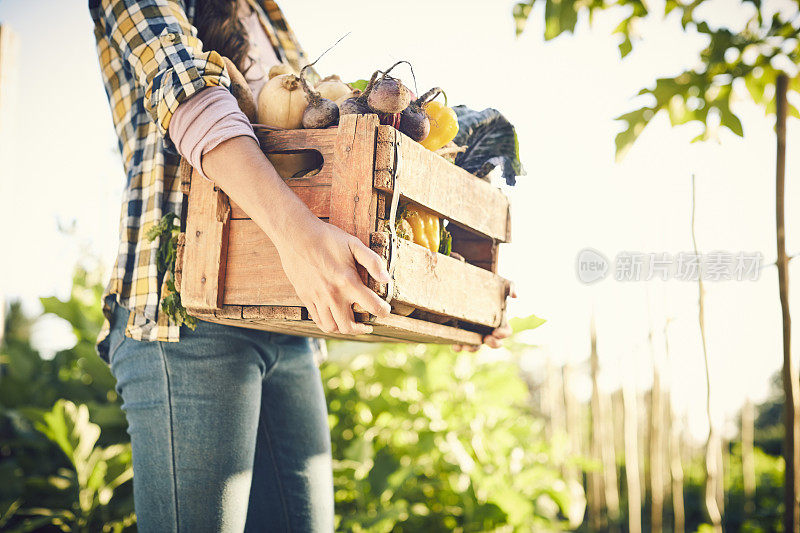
61 164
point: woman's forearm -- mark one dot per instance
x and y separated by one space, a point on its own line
239 167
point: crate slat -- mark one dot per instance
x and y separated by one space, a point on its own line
206 244
432 181
447 286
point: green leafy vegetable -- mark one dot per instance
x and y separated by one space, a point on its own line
445 241
491 142
167 231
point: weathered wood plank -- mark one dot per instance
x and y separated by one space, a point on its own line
205 247
393 328
433 182
316 197
353 201
447 286
420 331
255 275
273 312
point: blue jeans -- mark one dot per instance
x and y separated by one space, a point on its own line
229 430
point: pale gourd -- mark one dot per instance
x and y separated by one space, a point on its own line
333 88
281 102
280 68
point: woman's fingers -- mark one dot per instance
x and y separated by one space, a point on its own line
492 342
368 300
326 322
369 260
345 321
502 332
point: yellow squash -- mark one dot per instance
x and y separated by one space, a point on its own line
444 125
425 227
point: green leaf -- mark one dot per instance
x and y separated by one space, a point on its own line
360 85
526 323
521 12
625 47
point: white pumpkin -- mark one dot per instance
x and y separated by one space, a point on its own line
333 88
281 102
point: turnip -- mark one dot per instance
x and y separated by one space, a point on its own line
357 103
280 68
320 112
414 122
333 88
281 102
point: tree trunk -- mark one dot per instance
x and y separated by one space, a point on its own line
674 446
631 417
713 474
791 446
748 462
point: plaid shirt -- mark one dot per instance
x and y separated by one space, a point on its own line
151 61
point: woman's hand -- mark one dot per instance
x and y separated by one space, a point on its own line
320 261
495 338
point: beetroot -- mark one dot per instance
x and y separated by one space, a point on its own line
321 112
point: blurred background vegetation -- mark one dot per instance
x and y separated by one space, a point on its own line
424 439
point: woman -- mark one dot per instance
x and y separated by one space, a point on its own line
228 426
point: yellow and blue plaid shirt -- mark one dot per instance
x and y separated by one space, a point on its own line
151 61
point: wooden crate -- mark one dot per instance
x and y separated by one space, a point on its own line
228 271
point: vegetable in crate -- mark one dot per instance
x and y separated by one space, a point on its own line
388 94
444 125
490 141
420 226
282 102
333 88
281 68
320 112
241 91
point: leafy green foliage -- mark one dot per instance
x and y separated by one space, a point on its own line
700 95
166 231
60 471
426 439
491 141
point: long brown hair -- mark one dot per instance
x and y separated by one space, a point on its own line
220 29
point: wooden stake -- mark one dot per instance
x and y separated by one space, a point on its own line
674 445
631 417
713 475
791 445
597 518
656 432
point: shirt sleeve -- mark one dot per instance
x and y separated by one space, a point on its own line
160 48
205 121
